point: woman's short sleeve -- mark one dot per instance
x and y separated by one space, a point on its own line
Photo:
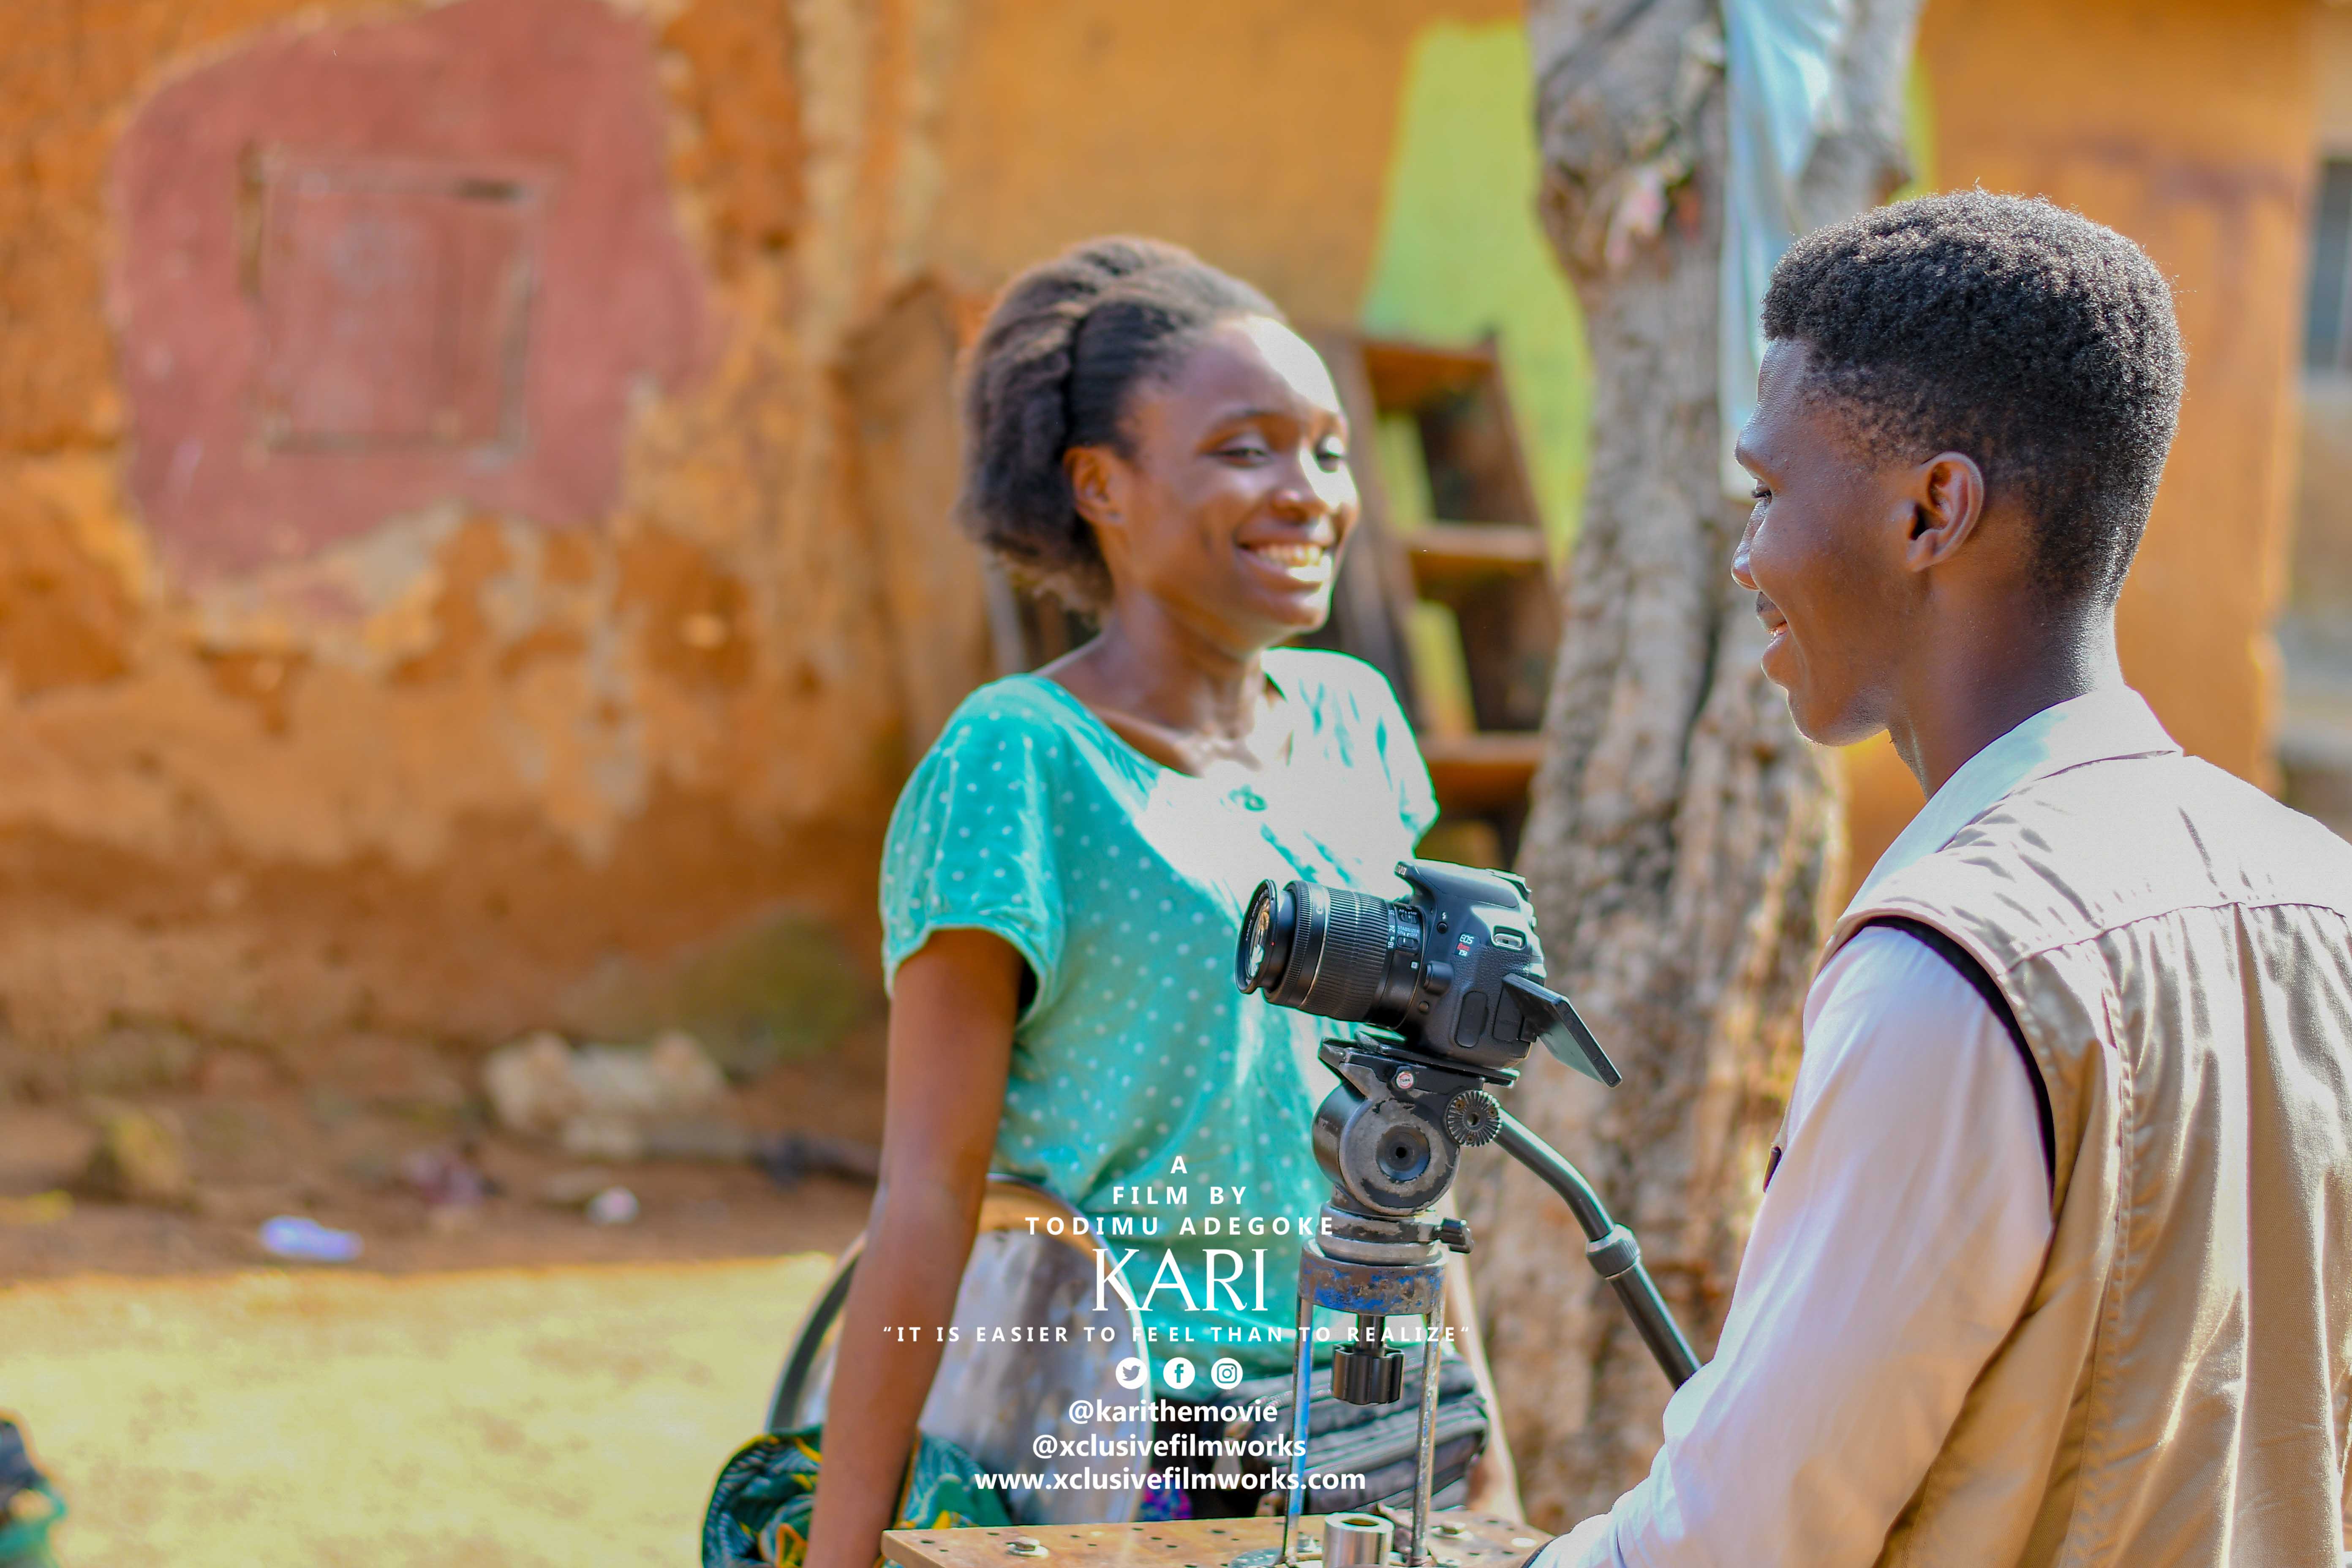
971 843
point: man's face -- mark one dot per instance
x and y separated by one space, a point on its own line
1823 552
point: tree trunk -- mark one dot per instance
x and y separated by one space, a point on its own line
1683 834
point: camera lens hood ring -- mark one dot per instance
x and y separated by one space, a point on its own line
1252 956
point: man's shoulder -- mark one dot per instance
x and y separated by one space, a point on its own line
2107 843
2164 829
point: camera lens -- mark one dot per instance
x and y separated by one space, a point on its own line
1266 930
1320 950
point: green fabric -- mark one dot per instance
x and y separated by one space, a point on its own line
1122 883
766 1495
24 1542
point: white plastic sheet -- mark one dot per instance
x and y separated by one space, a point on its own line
1781 66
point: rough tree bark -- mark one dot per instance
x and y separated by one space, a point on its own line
1683 834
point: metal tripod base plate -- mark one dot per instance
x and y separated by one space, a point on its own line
1485 1541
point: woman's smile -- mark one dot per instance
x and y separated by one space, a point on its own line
1298 563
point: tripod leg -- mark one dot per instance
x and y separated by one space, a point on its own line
1432 1327
1302 1374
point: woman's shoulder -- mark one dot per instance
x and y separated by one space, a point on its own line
984 783
1352 707
1032 717
1324 679
1025 708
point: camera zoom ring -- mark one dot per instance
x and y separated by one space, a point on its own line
1353 959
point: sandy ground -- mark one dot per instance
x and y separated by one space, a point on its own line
502 1383
568 1414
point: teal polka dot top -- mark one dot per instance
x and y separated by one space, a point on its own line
1122 884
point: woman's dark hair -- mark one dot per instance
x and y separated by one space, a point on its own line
1065 347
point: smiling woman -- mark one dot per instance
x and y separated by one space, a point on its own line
1067 866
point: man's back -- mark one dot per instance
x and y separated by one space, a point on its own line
2177 950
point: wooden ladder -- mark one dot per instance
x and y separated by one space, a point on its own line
1481 553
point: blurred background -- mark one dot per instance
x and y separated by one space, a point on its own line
475 565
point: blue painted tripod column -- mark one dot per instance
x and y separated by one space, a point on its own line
1367 1290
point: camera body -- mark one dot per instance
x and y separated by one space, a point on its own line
1455 971
1451 980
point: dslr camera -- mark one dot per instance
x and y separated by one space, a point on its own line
1450 981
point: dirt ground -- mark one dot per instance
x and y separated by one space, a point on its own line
502 1382
330 1135
511 1417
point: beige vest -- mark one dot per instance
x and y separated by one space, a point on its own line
2176 949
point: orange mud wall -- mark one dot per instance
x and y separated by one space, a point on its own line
1256 131
318 712
2187 124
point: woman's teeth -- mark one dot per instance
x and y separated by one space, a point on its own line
1298 560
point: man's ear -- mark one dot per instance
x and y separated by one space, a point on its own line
1098 485
1947 499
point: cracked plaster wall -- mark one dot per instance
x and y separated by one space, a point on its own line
458 772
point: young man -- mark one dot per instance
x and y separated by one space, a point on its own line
2054 1264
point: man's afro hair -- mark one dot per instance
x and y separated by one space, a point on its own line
2024 335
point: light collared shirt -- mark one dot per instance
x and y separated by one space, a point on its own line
1899 1241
